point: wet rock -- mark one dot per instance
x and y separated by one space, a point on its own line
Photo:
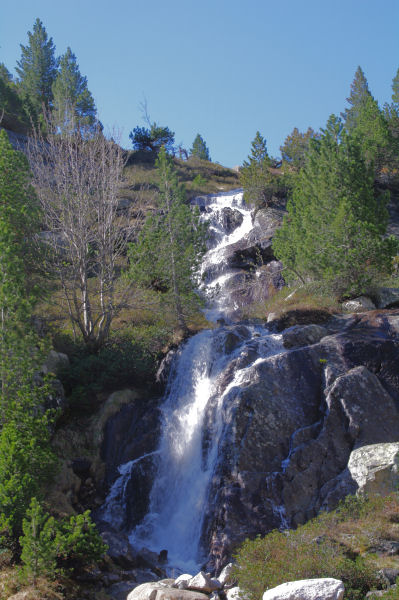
163 371
360 304
120 550
307 589
303 335
386 297
230 219
375 468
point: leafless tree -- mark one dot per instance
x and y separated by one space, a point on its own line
77 176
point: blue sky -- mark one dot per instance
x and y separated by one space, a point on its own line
223 68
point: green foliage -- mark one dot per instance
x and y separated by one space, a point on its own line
73 103
16 110
152 139
313 550
334 228
50 546
122 361
199 149
39 550
365 120
170 245
259 182
37 68
26 460
296 146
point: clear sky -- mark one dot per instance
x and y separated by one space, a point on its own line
221 68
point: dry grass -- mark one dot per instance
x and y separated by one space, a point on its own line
287 300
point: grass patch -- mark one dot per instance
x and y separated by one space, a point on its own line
309 298
341 544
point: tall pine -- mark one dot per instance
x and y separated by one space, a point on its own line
73 102
200 149
37 68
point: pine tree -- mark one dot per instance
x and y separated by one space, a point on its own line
73 103
295 148
256 177
37 68
199 149
39 551
395 89
334 228
170 246
365 120
26 459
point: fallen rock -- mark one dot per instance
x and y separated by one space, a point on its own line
160 591
307 589
375 468
360 304
182 581
234 593
203 583
226 577
386 297
303 335
54 362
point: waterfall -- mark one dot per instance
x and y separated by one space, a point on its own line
199 379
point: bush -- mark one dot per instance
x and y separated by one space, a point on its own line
50 547
319 548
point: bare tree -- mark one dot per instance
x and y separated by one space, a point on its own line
77 176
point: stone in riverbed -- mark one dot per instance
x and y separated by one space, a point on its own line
303 335
160 591
203 583
307 589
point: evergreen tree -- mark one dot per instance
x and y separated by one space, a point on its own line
170 246
335 225
365 120
26 459
395 89
73 103
358 96
37 68
199 149
295 148
39 550
256 177
152 139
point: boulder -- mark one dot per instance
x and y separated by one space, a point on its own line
230 219
375 468
54 362
160 591
234 593
203 583
225 577
360 304
182 581
386 297
307 589
303 335
119 549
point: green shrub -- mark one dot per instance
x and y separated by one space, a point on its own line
313 550
50 547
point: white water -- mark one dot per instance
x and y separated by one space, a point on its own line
180 491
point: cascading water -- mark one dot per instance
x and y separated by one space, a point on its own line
188 451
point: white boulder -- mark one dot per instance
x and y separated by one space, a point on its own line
307 589
360 304
203 583
160 591
375 468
